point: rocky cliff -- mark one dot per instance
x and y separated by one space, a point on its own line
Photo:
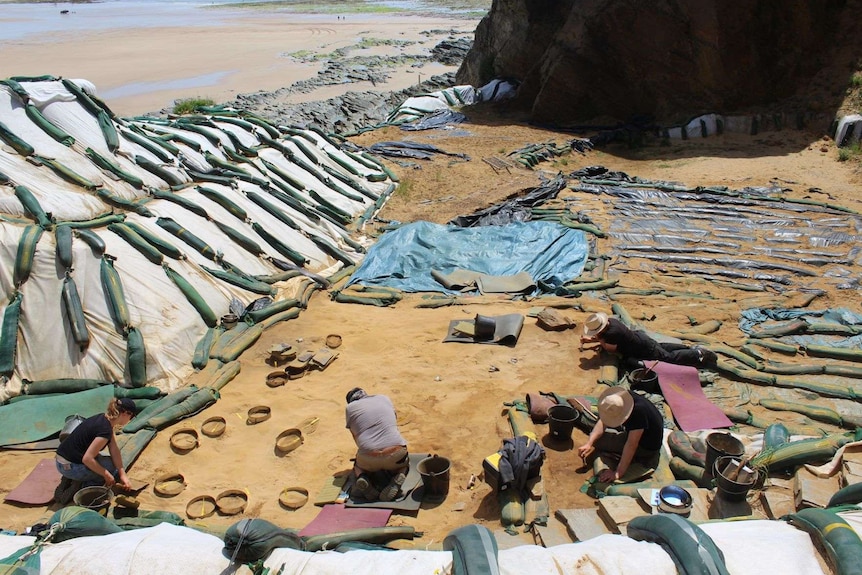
586 60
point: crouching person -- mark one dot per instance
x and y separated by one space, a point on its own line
381 458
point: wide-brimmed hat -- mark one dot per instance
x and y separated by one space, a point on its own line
595 324
615 406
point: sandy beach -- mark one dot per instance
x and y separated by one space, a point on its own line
209 53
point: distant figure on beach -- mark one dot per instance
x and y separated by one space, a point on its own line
630 429
78 459
381 457
613 336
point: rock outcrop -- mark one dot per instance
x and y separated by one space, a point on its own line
668 60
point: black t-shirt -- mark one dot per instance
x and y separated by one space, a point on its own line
629 343
78 442
646 416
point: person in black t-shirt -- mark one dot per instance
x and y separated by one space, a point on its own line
642 432
634 345
78 458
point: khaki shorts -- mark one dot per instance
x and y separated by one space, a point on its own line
389 459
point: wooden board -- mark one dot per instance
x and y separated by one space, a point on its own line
582 524
815 491
777 503
554 533
618 510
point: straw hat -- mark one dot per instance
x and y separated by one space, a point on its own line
615 406
595 324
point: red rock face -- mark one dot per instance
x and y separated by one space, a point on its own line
580 60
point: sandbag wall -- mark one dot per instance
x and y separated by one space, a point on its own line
124 240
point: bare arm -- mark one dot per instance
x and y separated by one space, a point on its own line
117 458
632 441
586 449
90 460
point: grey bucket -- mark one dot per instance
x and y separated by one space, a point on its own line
434 471
642 379
728 489
97 498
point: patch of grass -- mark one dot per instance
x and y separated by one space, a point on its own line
852 152
190 105
856 80
405 189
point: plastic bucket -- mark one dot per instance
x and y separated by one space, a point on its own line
435 477
642 379
721 444
561 421
729 489
96 499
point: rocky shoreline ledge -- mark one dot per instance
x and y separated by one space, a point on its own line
354 110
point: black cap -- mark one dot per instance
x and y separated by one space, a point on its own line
355 393
126 404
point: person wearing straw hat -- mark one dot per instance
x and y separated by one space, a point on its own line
381 450
78 458
614 336
630 429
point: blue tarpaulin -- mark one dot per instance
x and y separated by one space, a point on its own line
404 258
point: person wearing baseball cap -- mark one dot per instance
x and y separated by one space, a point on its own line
78 458
614 336
640 437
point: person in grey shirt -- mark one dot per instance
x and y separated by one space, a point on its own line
381 456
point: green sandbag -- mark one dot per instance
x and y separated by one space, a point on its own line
116 298
790 455
195 403
344 272
73 521
833 352
291 180
26 254
245 282
279 317
273 210
792 369
192 240
135 206
167 402
32 206
136 358
92 239
65 172
737 355
250 540
113 168
193 297
132 444
148 145
842 543
852 494
136 241
224 374
11 139
202 349
181 201
163 246
371 535
474 550
258 315
235 341
224 202
692 550
128 519
62 385
815 412
138 392
47 126
279 277
331 250
63 240
157 170
774 346
279 246
844 371
240 239
824 388
683 470
9 334
787 328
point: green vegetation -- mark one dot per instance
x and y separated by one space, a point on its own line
405 188
852 152
190 105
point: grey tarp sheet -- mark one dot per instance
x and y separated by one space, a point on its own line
752 318
404 258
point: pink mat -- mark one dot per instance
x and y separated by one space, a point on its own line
336 518
38 487
680 386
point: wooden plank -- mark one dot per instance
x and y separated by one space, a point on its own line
777 503
554 533
582 524
618 510
815 491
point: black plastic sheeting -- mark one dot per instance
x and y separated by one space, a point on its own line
413 150
515 210
438 119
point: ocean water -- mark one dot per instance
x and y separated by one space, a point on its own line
24 20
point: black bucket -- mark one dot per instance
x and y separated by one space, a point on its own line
95 498
642 379
435 477
561 421
720 444
729 489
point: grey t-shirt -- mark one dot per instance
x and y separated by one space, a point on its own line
372 422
